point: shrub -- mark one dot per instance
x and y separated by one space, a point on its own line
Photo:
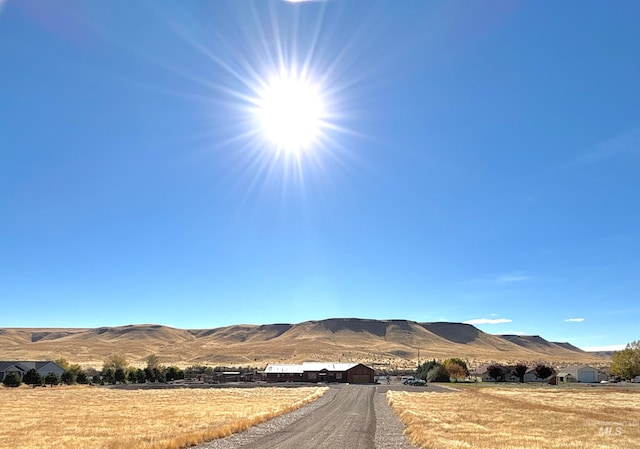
120 376
68 377
109 376
174 373
32 377
11 380
82 378
52 379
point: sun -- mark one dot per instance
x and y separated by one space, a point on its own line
291 111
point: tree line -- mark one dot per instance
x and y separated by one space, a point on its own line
456 369
115 369
73 374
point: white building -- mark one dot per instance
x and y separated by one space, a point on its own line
580 373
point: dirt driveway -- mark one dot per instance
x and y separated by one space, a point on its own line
350 416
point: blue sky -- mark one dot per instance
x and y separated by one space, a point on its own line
477 162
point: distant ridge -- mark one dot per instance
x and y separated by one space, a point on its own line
379 342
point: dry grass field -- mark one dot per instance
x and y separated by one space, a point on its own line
101 418
521 418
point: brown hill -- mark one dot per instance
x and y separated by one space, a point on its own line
381 342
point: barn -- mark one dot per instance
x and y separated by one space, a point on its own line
353 373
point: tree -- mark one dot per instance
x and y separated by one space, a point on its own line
52 379
438 373
132 375
423 370
495 372
63 363
159 374
626 363
542 371
520 370
75 369
457 368
120 376
149 375
82 378
174 373
11 379
115 362
153 361
141 377
68 377
109 375
32 377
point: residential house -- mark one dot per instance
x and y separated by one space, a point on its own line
21 367
481 374
530 376
355 373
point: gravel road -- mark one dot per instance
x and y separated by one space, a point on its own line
350 416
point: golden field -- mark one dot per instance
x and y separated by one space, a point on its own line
102 418
521 418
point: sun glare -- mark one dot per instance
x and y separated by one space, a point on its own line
290 112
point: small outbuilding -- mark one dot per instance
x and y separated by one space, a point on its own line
354 373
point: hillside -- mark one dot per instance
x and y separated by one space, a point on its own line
380 342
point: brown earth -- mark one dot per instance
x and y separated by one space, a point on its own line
382 343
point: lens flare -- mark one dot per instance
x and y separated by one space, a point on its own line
290 111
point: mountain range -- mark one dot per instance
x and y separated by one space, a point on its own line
390 343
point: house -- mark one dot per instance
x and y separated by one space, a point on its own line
580 373
355 373
482 374
21 367
530 376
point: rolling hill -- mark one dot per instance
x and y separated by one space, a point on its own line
378 342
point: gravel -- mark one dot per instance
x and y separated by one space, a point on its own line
389 431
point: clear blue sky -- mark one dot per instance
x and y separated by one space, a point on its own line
477 161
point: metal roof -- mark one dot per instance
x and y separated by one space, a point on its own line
319 366
309 366
284 369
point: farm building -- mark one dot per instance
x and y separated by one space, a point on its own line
580 373
20 368
354 373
